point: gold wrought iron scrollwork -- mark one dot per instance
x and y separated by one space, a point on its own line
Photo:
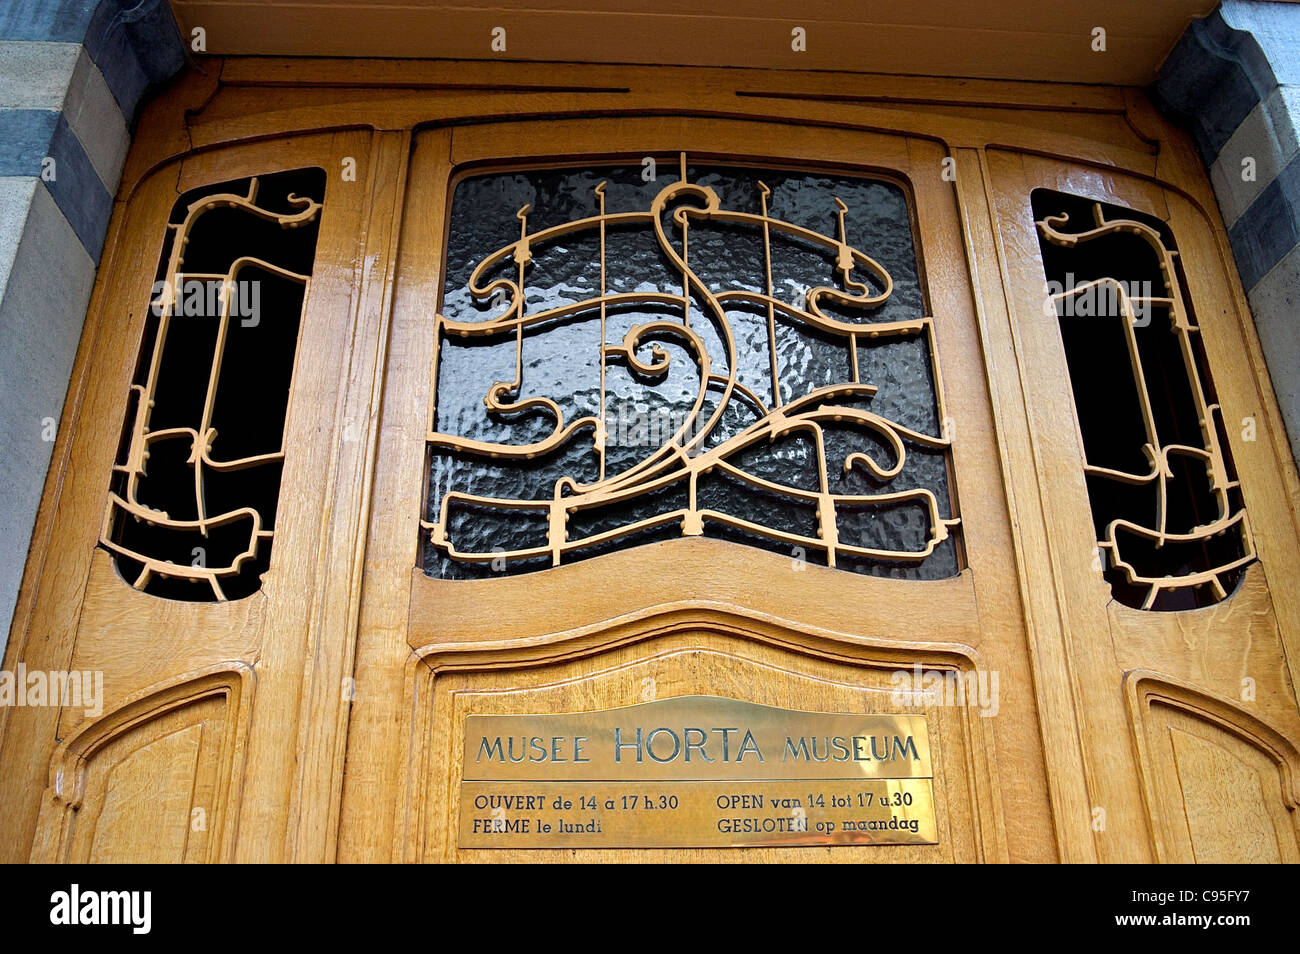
685 455
126 504
1228 519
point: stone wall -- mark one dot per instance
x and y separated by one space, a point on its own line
1234 79
72 73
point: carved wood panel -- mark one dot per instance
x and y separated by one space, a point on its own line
156 781
688 653
1220 784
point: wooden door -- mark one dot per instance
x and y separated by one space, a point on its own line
304 692
690 614
204 489
1187 710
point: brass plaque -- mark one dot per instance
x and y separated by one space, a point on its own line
696 771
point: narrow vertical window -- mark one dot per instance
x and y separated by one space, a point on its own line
192 507
1170 523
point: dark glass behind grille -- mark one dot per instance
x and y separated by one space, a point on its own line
561 360
1107 400
250 398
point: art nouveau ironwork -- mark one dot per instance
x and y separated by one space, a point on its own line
846 458
1173 531
193 502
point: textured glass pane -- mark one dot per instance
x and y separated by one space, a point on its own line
1166 506
753 345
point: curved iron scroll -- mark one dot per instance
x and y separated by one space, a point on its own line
194 490
725 420
1175 527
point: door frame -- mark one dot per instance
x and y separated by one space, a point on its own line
970 622
267 103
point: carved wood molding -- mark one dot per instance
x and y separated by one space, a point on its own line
702 623
1145 688
214 108
234 682
688 570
